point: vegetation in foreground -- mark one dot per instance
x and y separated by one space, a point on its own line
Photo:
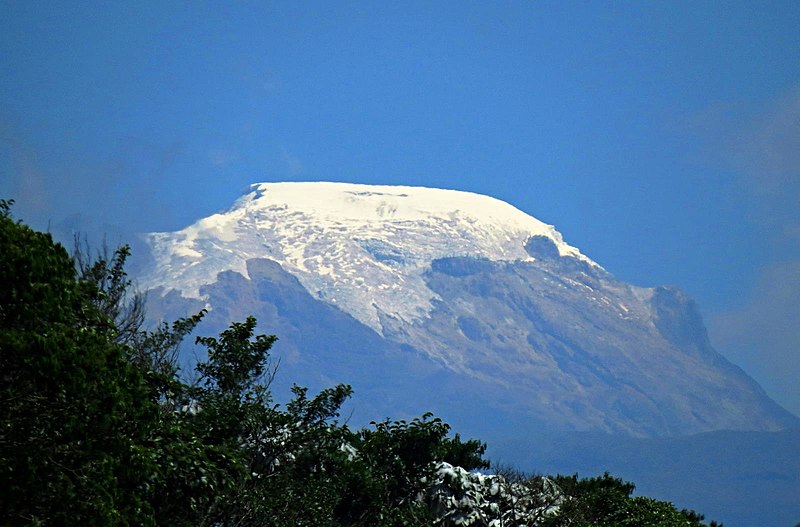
99 427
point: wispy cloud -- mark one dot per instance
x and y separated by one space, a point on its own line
760 147
220 157
25 181
770 153
119 189
292 164
763 336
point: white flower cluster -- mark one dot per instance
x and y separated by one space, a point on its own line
463 498
277 446
271 448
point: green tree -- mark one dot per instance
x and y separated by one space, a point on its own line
607 501
398 461
76 416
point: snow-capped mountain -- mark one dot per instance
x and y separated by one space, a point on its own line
429 299
364 248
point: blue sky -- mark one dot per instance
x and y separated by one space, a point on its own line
661 138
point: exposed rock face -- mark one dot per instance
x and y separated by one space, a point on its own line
428 299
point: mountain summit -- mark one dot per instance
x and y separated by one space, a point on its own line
364 248
438 299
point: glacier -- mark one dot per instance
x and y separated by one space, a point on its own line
363 248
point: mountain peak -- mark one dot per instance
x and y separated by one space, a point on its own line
361 247
385 203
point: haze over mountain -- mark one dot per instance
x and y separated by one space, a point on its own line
456 302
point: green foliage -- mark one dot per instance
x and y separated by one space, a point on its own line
75 413
403 453
108 288
606 501
234 362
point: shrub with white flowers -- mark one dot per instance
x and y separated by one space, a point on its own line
462 498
